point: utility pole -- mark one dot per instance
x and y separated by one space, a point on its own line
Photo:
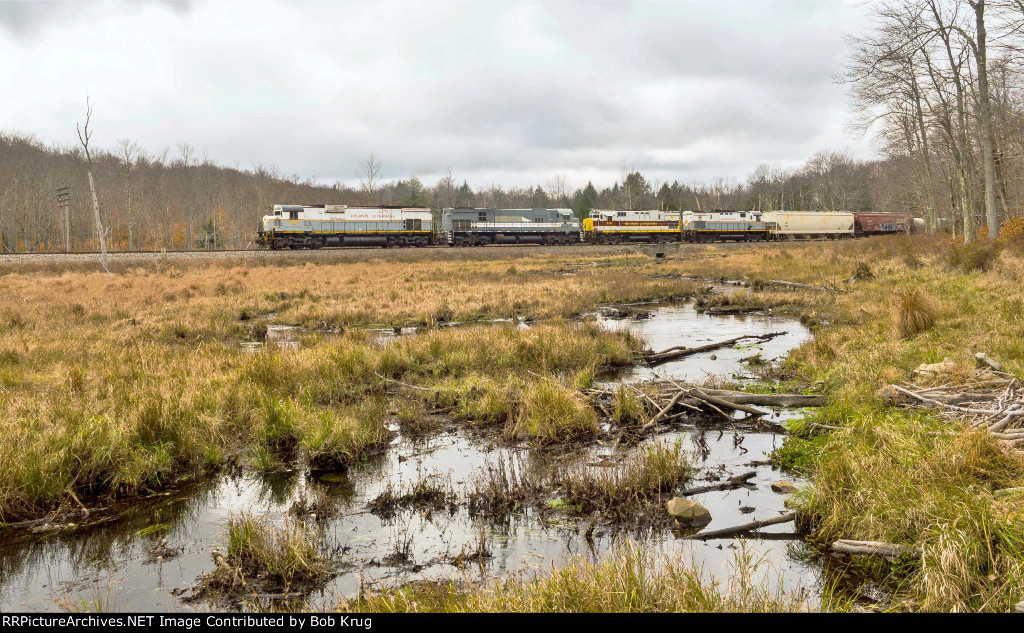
64 207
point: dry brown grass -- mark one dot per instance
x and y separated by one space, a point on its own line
913 312
117 385
221 300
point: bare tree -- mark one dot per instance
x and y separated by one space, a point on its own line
557 188
84 135
128 151
187 161
980 47
369 177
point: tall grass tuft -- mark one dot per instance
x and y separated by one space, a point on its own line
553 413
653 469
281 555
913 312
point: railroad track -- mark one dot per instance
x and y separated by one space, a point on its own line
356 253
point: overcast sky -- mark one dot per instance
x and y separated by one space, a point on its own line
502 92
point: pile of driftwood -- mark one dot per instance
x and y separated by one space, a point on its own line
667 401
991 401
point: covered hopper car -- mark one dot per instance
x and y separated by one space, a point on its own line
793 225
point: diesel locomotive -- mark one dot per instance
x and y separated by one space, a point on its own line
316 226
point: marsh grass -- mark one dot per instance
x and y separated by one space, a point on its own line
126 414
892 479
553 413
428 492
627 407
280 556
972 257
620 491
504 487
626 580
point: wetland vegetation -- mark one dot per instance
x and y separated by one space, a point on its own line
148 381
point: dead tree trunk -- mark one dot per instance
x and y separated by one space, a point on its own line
84 135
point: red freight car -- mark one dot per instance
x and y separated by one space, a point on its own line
879 223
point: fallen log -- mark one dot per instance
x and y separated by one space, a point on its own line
769 399
680 351
721 402
793 284
23 524
889 551
405 384
985 361
729 484
746 527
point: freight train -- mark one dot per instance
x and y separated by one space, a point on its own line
316 226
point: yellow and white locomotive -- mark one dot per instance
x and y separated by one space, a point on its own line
606 226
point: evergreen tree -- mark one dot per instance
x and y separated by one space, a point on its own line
540 198
465 197
666 200
584 201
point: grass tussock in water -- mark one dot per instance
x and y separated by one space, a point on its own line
264 558
551 413
627 580
281 555
620 491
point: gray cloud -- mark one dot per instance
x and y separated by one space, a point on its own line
509 93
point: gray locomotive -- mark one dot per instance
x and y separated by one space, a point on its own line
477 227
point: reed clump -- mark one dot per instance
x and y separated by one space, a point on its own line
552 413
620 491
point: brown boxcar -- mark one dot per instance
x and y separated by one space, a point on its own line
878 223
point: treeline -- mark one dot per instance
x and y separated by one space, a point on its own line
940 84
179 199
